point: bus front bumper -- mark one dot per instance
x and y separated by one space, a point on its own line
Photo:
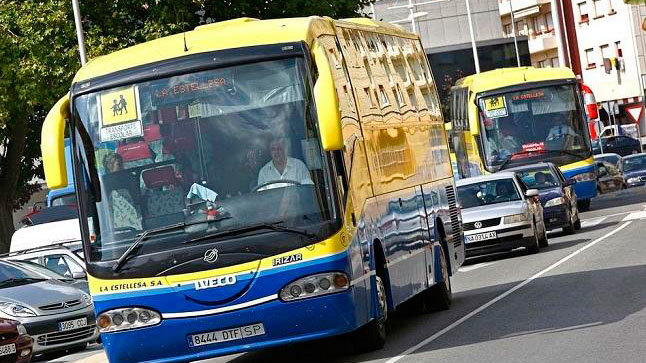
283 323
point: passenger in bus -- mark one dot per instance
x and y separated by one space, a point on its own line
125 214
283 167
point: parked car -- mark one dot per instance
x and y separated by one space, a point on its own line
65 259
15 344
622 145
78 283
609 178
634 168
556 194
56 315
611 158
500 213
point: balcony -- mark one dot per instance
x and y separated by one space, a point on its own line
520 7
542 43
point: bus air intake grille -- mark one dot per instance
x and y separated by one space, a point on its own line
455 217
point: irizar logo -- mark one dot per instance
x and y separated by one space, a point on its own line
215 282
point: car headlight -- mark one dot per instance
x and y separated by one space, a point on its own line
555 201
88 299
17 310
127 318
633 180
315 285
21 329
585 177
515 218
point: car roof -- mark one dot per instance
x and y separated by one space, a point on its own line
607 154
484 178
633 156
542 164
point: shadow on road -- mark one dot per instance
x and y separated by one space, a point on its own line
547 305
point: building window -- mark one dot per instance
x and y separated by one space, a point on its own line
555 62
507 30
598 8
589 58
548 21
520 28
605 51
618 52
583 12
542 64
383 97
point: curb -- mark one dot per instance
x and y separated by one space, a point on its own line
95 358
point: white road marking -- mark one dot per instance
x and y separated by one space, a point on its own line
592 222
503 295
635 215
475 267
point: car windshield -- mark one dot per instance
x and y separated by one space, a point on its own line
67 199
634 163
612 159
193 154
41 270
543 123
13 275
542 178
487 192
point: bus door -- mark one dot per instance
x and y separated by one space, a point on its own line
460 123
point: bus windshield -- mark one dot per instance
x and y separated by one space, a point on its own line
544 123
197 154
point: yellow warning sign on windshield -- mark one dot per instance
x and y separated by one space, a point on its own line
495 107
119 106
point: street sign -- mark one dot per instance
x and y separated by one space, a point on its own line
635 112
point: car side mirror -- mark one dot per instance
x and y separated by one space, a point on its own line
79 275
531 193
569 182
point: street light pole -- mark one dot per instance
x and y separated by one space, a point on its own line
79 31
473 39
513 30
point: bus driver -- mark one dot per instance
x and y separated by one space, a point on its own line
282 167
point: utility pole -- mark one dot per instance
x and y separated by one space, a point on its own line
473 39
79 31
513 29
558 32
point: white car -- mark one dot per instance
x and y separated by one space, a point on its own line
499 214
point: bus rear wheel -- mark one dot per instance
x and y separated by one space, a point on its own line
440 296
373 335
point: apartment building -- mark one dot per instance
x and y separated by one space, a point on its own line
533 19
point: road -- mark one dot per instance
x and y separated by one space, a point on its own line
582 299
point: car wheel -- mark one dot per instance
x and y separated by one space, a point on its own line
569 229
373 335
577 224
535 246
439 296
543 242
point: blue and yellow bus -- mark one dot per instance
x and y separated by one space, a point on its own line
253 183
516 116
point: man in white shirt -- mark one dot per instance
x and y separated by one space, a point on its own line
282 167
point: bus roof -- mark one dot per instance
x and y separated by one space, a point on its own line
241 32
505 77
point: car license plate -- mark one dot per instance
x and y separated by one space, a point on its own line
72 324
226 335
480 237
7 349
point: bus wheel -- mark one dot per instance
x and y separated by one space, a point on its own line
583 205
440 295
373 335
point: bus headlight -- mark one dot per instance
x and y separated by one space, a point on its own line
127 318
585 177
515 218
315 285
555 202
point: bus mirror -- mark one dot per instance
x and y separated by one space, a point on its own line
327 103
52 144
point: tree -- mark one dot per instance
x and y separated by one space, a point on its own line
39 56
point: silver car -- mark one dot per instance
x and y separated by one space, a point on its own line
57 315
499 214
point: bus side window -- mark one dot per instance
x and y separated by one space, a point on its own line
341 175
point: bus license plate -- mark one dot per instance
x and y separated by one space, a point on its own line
480 237
7 349
72 324
226 335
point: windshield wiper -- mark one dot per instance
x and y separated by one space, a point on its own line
272 226
145 234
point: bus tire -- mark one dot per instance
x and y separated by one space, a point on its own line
373 335
440 295
583 205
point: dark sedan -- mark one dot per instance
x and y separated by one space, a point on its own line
15 343
634 168
622 145
556 194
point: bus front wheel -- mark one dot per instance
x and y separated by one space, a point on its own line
373 335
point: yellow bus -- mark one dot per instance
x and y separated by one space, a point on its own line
255 183
516 116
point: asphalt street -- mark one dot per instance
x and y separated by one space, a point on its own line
582 299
